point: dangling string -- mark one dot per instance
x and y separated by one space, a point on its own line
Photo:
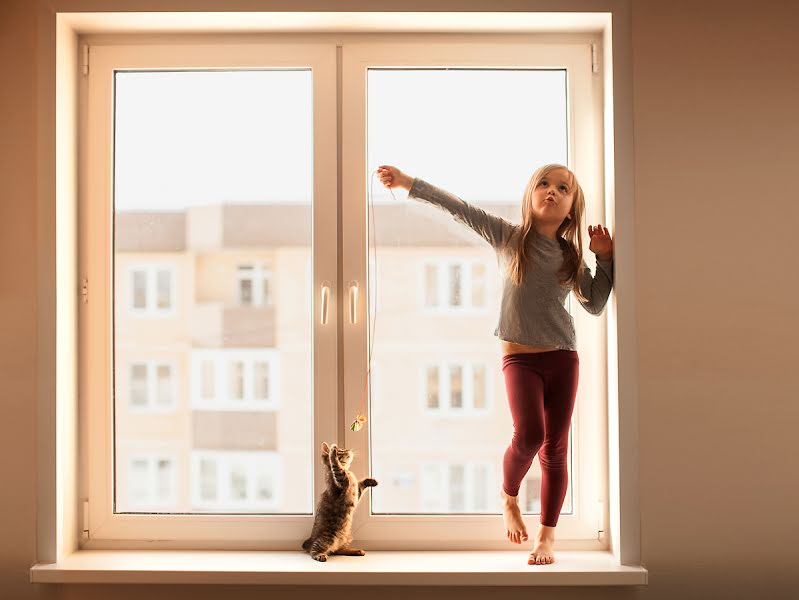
360 416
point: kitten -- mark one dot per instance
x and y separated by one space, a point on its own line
332 528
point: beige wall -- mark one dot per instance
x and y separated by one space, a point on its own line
715 133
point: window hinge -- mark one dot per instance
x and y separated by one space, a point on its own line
84 290
86 60
594 59
600 525
85 524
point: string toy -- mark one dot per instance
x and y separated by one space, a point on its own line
360 416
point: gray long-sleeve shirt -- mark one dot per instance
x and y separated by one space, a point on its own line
534 313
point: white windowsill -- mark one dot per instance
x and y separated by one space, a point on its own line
376 568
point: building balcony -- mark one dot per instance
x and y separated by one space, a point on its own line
220 326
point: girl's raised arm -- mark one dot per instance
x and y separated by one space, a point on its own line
493 229
596 288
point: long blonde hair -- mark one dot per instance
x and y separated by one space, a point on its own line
568 234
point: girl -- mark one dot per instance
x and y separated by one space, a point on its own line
542 261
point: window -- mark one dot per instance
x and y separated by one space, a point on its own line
236 481
152 386
454 286
459 487
235 379
152 290
254 285
453 389
151 483
259 204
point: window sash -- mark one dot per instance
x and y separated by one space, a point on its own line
106 528
392 531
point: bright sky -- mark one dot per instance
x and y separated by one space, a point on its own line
192 138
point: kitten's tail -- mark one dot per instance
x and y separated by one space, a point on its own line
307 544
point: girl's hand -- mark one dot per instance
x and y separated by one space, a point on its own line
392 177
601 244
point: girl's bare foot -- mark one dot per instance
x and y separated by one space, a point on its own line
514 524
543 549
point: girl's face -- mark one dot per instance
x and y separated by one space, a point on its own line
553 197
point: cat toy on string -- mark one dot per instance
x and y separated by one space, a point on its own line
360 417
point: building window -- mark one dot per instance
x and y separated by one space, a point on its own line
152 386
152 290
454 286
236 480
456 389
235 379
254 285
457 487
151 483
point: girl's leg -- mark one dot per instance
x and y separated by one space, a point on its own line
561 390
525 391
526 399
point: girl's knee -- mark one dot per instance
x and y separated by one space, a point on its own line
528 442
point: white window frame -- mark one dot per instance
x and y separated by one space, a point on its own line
442 270
374 528
445 393
151 270
222 358
152 406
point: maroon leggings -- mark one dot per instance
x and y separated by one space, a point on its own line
541 389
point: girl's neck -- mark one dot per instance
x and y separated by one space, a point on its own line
552 235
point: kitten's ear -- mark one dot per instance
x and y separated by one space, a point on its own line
325 448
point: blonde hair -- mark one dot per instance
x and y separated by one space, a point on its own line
568 234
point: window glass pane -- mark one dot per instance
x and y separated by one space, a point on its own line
480 487
214 191
139 481
432 387
208 482
524 113
138 385
431 498
261 374
164 286
457 496
456 386
236 380
140 290
238 483
164 384
264 490
164 479
245 291
454 285
532 489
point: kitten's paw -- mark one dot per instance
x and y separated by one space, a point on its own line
369 482
319 557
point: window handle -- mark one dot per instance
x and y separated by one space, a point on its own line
353 285
325 301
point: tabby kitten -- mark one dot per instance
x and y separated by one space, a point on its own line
332 528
